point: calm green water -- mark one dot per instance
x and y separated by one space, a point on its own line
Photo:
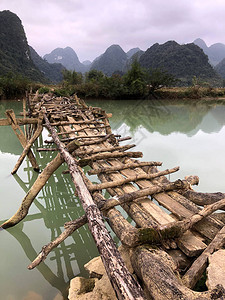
190 134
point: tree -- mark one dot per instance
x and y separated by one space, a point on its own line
71 77
135 80
94 75
158 78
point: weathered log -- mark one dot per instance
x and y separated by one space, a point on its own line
24 116
123 283
126 138
88 160
104 149
6 122
203 198
123 167
109 137
36 187
29 144
75 122
98 137
128 197
168 231
47 149
115 183
159 274
83 137
81 129
49 247
182 226
196 270
20 135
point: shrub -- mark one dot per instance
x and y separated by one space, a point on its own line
44 90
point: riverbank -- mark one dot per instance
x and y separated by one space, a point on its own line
92 92
192 92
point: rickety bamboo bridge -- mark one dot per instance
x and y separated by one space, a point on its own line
186 236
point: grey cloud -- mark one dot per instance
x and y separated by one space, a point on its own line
90 26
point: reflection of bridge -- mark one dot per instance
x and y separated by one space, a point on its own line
193 231
57 205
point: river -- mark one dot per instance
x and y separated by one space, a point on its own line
185 133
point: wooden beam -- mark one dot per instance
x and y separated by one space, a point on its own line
135 178
19 133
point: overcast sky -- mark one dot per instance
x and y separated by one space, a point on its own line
91 26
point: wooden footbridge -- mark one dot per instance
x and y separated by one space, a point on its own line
176 229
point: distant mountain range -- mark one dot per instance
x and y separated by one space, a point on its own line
114 59
182 61
68 58
215 52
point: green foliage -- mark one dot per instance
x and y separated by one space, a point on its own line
13 85
64 91
94 75
133 85
157 79
71 77
135 80
44 90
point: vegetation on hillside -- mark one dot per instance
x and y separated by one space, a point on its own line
182 61
14 50
14 85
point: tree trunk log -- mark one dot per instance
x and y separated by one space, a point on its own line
158 272
203 198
